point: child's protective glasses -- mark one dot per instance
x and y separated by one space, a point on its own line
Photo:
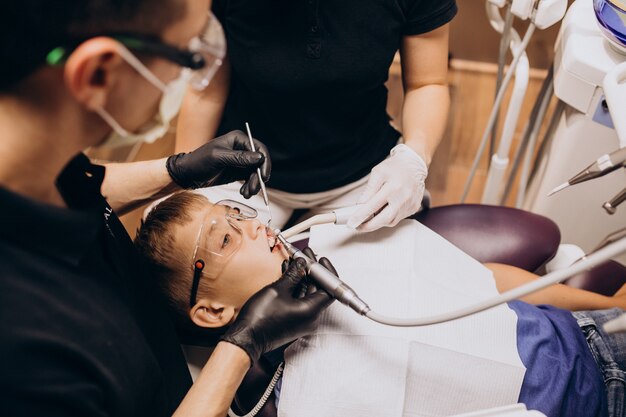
219 238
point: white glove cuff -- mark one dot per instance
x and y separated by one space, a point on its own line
405 150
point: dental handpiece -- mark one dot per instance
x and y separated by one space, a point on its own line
611 206
604 165
327 280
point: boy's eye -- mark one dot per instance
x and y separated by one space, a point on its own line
226 240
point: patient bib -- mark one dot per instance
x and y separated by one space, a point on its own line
352 366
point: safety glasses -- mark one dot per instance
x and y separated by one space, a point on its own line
200 61
219 238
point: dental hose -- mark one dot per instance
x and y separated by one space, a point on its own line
496 108
346 295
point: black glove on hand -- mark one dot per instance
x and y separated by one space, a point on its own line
275 315
221 161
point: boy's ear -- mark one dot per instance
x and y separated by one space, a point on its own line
211 314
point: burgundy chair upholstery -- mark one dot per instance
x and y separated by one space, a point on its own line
496 234
604 279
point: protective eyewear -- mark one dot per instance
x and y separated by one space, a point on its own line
219 238
200 61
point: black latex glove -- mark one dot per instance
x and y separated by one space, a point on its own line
221 161
276 315
309 285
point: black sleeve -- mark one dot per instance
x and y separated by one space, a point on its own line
39 380
423 16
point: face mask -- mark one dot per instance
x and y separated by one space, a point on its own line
171 101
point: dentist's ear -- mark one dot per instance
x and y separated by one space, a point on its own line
91 71
211 314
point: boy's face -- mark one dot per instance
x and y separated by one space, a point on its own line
246 264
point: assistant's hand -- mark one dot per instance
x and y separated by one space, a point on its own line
276 315
394 191
222 160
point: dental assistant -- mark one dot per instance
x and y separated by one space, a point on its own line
83 331
309 77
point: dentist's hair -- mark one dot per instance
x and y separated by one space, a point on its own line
30 29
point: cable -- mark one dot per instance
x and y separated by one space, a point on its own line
325 218
505 42
555 277
496 107
536 118
266 394
532 142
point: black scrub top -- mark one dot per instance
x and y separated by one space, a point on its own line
82 332
309 75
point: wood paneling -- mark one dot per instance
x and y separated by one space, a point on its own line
473 39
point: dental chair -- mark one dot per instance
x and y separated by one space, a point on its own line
493 234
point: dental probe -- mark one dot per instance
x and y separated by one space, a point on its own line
326 279
605 164
258 172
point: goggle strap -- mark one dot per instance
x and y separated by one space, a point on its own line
134 62
198 266
112 122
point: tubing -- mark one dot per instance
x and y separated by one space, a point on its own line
325 218
552 278
498 102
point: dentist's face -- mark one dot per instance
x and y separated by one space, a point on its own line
135 101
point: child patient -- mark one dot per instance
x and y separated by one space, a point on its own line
211 258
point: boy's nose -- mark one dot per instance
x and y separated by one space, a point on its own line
252 227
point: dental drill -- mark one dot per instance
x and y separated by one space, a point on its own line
326 279
604 165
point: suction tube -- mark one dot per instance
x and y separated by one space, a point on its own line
339 216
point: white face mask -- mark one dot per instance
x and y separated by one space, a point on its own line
171 101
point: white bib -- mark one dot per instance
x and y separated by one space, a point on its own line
355 367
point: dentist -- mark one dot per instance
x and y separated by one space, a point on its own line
83 332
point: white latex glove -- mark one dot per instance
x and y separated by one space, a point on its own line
394 191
